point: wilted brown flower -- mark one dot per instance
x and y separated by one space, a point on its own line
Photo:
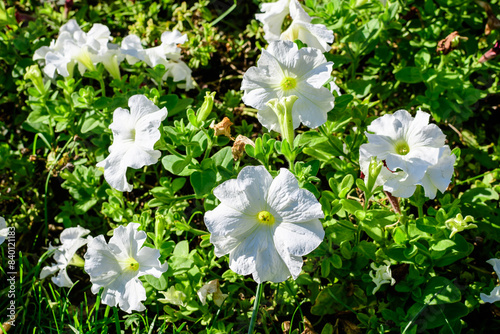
222 128
449 43
491 53
493 22
239 146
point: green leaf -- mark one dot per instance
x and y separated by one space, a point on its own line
157 283
177 165
440 290
203 182
409 75
351 205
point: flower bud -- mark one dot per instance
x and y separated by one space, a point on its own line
206 107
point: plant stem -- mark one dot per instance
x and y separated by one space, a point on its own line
255 308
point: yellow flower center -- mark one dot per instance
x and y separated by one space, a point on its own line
402 148
288 83
132 133
131 264
265 217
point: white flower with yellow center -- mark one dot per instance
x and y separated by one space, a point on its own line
265 225
283 70
116 267
272 18
413 151
135 133
494 295
65 254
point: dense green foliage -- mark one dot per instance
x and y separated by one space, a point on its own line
385 59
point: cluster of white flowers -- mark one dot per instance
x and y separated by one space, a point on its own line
413 151
265 225
135 133
301 28
73 47
284 71
114 266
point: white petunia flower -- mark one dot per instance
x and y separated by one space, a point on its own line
413 151
135 133
381 275
494 295
284 70
272 18
4 230
74 46
301 28
132 48
116 267
265 225
65 254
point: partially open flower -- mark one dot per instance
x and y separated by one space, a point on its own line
459 224
65 254
265 225
273 15
135 133
212 287
116 267
381 275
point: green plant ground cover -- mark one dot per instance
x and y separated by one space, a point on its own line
385 58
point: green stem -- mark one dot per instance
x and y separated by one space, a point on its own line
256 304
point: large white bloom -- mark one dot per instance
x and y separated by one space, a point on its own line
116 267
265 225
71 240
135 133
413 151
381 275
4 230
301 28
494 295
284 70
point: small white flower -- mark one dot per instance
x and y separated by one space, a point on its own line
4 230
284 70
272 18
212 287
413 151
64 255
381 275
301 28
265 225
135 133
173 296
494 295
459 224
116 267
167 50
